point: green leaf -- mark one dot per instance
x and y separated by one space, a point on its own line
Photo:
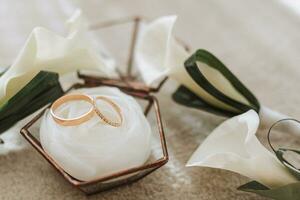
186 97
287 192
210 60
41 90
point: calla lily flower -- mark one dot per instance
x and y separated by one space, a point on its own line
159 55
45 50
233 146
206 83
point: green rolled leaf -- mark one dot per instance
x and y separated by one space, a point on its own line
185 97
41 90
287 192
210 61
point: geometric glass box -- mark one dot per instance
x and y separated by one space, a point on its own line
122 177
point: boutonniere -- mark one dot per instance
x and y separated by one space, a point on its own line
217 90
205 82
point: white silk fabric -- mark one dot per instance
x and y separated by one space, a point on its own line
95 149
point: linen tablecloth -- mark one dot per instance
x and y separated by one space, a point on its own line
258 40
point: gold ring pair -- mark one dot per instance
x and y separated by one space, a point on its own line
89 114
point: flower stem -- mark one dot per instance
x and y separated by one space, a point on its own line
268 117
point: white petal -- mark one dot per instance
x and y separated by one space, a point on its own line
233 146
157 51
45 50
159 55
13 141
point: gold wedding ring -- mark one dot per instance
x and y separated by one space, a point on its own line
89 114
116 108
72 121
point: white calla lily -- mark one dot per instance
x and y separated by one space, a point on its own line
158 55
48 51
233 146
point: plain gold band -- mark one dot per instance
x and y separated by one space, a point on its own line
116 108
73 121
88 115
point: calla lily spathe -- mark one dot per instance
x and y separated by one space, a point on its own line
158 55
157 52
233 146
48 51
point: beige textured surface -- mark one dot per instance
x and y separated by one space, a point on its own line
258 40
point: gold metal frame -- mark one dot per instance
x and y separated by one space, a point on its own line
115 179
